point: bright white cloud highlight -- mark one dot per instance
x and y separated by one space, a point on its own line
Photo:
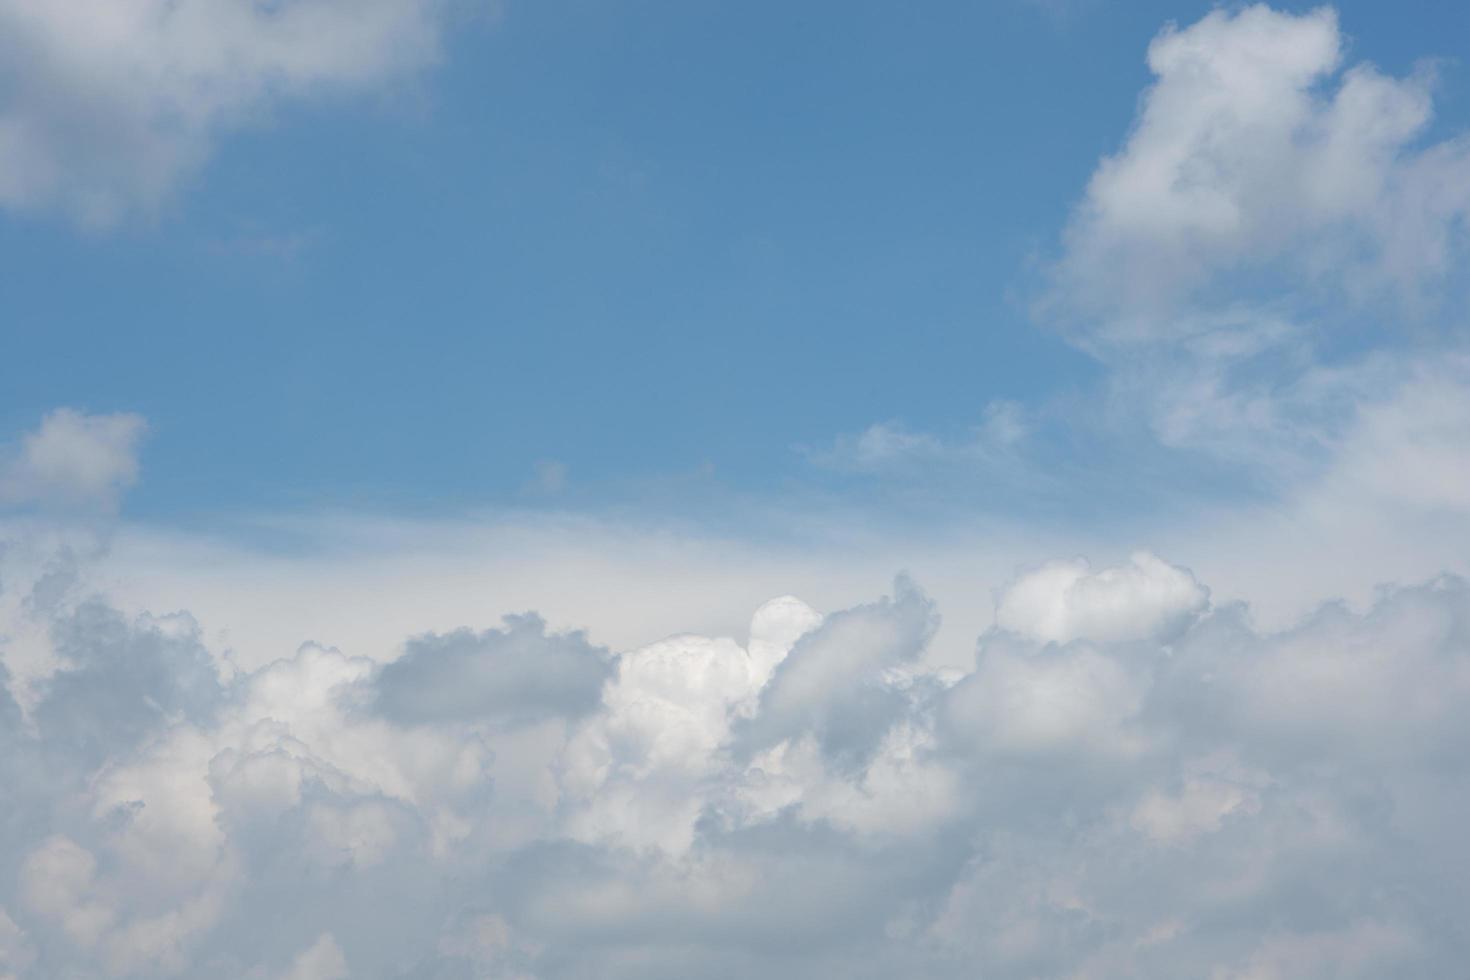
1064 600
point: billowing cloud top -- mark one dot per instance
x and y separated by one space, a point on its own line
1062 601
1130 781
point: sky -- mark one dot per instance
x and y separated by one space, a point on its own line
587 489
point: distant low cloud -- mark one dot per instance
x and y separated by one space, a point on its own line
1130 780
106 106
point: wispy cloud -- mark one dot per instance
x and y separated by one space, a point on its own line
892 446
112 104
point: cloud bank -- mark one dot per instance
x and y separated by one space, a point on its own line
1129 780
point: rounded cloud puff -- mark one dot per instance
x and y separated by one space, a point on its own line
1061 601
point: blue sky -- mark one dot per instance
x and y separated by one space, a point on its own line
652 490
644 241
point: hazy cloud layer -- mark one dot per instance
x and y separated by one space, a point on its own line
1129 780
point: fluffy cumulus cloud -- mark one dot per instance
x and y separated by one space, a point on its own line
1267 269
105 105
1063 600
1129 780
1271 265
1258 154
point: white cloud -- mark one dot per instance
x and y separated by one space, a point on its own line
1255 157
1065 600
106 105
1129 780
636 774
1411 448
839 682
1279 239
1268 268
1034 704
73 459
1131 777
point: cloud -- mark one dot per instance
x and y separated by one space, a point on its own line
893 446
1131 776
73 459
1063 600
1268 266
1412 448
106 106
120 680
1277 245
1256 161
1130 779
843 681
519 673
